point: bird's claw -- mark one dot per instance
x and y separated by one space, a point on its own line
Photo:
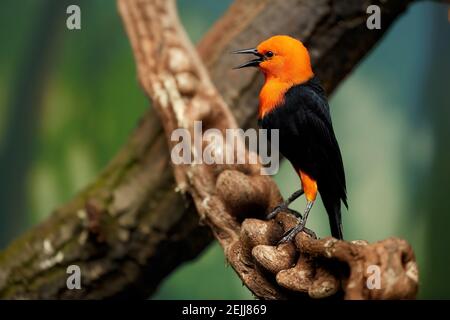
295 213
279 208
309 232
283 208
290 234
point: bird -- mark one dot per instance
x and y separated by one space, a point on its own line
293 101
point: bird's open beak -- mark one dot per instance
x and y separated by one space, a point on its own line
251 63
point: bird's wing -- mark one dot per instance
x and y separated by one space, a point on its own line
309 129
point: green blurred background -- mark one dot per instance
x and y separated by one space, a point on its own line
69 99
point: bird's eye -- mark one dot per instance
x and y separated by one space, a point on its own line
269 54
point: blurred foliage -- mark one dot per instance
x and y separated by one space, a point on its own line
391 116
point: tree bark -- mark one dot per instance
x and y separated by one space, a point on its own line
130 228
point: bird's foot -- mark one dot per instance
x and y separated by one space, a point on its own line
283 207
290 234
295 213
279 208
311 233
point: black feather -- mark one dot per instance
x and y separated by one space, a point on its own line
308 141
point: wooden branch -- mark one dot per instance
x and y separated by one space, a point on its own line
330 267
130 228
126 231
172 74
175 79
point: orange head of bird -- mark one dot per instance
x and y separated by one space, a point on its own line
281 57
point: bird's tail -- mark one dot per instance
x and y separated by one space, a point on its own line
333 206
